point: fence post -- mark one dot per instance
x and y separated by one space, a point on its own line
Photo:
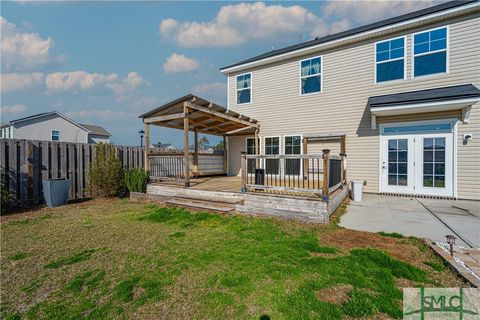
244 174
326 173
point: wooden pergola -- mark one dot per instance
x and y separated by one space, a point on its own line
192 113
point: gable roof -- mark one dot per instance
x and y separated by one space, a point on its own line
87 127
44 114
98 130
464 91
355 31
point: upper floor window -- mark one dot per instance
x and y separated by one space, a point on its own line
55 135
390 60
311 75
244 88
430 52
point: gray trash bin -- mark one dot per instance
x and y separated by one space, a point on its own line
55 191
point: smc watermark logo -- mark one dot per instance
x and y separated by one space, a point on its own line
441 303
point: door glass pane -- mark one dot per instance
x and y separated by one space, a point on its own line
272 147
292 146
434 162
398 162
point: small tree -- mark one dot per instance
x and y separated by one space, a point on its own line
106 172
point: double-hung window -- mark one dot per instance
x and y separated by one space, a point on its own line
244 88
272 147
292 146
430 52
390 60
252 163
55 135
311 75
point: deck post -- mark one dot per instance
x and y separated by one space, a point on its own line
147 147
257 161
305 161
244 173
225 153
326 174
195 154
343 154
186 147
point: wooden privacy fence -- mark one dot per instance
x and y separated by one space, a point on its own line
25 163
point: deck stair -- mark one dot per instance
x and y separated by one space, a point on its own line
201 205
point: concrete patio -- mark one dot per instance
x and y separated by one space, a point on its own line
424 218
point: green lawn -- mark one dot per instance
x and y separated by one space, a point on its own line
124 260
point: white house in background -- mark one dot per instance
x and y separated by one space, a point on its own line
53 126
164 146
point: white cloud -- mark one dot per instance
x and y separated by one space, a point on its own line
76 80
180 63
82 80
238 23
132 82
23 51
20 81
235 24
15 109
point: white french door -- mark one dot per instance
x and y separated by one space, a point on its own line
418 159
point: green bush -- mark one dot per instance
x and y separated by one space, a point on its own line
136 180
106 172
5 194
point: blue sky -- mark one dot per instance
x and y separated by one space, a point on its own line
105 63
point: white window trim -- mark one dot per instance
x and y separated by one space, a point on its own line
264 144
413 55
301 151
404 58
259 146
300 76
251 88
51 135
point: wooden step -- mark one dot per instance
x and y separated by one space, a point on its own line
201 205
283 214
293 207
299 202
226 197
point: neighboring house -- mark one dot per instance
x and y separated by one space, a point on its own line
403 91
164 146
53 126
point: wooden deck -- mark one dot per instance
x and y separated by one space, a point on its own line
230 184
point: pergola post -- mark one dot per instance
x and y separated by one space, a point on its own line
147 147
326 173
186 147
195 155
225 153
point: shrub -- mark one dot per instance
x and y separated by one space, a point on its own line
136 180
6 197
106 172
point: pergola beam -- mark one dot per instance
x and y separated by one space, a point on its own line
165 118
219 114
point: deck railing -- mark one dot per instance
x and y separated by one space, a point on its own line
318 173
171 166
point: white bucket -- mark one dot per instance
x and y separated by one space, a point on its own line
357 190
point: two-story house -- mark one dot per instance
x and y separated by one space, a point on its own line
403 91
53 126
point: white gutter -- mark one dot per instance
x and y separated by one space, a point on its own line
344 39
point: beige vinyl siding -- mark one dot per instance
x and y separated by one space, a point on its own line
236 144
348 81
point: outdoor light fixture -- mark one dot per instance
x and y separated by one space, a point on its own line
451 242
141 133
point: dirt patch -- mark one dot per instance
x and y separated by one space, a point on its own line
338 295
